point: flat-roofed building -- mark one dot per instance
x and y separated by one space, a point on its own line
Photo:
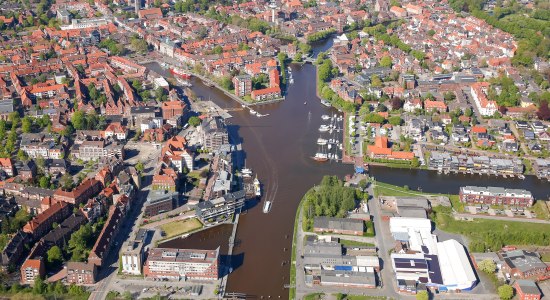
176 264
133 252
496 196
221 208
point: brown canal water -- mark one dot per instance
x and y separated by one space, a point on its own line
278 148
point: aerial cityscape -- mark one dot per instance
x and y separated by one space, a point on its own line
275 149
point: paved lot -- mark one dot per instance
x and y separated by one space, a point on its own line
141 151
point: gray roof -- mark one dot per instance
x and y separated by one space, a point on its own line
528 286
6 106
523 260
315 247
347 277
338 223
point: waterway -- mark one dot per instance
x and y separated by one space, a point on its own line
279 148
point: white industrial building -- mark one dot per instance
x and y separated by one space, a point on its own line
416 231
455 266
441 265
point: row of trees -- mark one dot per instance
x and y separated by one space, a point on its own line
44 290
321 35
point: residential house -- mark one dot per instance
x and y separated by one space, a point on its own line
81 273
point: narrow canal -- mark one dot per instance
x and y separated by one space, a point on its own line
279 148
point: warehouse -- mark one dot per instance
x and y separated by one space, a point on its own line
455 266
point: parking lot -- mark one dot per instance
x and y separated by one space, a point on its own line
141 151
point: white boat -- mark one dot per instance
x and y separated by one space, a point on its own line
267 207
325 103
324 128
253 112
321 157
329 146
257 187
321 141
325 117
246 172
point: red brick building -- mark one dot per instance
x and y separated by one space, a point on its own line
527 290
175 264
81 273
31 269
42 223
87 189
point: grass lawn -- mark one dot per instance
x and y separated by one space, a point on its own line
545 257
360 297
315 296
386 189
180 227
541 210
492 234
354 243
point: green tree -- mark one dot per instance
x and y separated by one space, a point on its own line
140 167
26 124
80 242
375 81
194 121
373 118
21 155
488 266
386 62
92 91
160 94
55 256
44 182
67 181
139 45
39 286
79 120
505 292
217 49
395 120
422 295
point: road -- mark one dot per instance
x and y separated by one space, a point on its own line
384 242
128 230
388 290
526 220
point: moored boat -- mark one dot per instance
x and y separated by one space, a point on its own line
321 141
320 157
325 103
180 73
257 187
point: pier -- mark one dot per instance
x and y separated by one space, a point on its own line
227 266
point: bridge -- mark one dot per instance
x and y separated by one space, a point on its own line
309 59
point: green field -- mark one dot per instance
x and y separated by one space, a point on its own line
315 296
491 235
359 297
355 243
386 189
180 227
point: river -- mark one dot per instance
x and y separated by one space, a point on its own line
279 148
